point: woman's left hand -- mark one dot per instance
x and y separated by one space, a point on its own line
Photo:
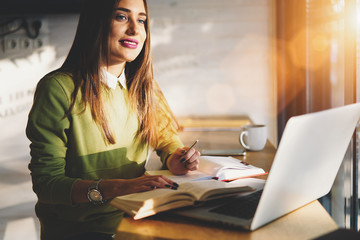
181 162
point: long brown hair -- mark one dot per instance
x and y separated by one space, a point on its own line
90 49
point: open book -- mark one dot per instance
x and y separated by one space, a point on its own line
222 168
140 205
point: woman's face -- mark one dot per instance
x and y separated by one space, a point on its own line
128 32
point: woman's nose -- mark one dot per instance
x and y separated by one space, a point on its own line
133 28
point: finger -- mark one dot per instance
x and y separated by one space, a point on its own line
193 157
143 184
181 151
188 155
169 181
193 162
147 186
155 184
193 165
161 181
181 154
144 188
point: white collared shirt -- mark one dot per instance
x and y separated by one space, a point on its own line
111 80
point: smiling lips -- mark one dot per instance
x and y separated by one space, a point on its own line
129 43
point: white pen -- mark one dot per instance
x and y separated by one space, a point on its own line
196 141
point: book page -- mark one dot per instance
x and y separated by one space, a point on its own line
210 164
255 183
224 168
139 205
190 176
194 188
227 168
143 196
203 190
145 204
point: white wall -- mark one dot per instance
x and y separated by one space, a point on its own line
211 58
19 73
215 57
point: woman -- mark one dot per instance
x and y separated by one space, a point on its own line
93 122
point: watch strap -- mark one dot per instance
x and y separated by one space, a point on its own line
95 185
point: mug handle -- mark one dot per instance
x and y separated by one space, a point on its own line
242 141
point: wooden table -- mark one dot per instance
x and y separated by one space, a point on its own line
308 222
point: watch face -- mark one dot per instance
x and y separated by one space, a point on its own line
95 195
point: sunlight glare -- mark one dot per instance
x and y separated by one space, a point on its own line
358 16
319 43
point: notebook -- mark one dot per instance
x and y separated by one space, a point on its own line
304 168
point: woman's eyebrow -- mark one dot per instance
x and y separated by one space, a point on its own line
128 10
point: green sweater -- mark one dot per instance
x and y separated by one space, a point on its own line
66 149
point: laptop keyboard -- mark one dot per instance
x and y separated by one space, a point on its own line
243 207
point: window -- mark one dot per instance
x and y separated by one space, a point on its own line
318 68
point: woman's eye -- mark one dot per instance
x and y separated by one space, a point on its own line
142 21
120 17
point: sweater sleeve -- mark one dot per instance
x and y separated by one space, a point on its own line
47 131
169 139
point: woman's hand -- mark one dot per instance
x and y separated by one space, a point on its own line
180 163
146 183
111 188
118 187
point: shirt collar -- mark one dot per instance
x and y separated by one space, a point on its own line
111 80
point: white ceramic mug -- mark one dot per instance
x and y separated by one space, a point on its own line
253 137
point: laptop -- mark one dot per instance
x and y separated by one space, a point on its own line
304 168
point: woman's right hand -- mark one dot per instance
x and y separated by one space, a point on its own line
118 187
111 188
